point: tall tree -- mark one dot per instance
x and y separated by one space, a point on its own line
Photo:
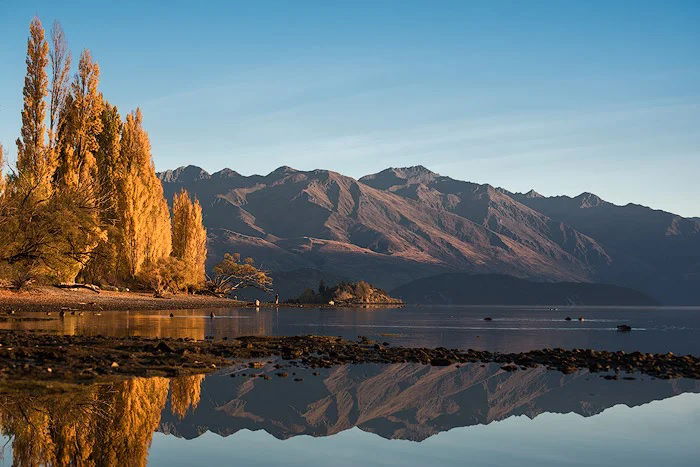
102 267
80 124
31 146
189 237
143 216
110 166
60 61
2 175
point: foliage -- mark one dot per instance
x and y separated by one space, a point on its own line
85 201
99 424
165 275
50 237
345 292
32 162
232 274
78 127
189 237
142 213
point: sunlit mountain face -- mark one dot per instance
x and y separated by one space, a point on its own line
404 224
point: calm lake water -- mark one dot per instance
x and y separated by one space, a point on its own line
388 415
513 329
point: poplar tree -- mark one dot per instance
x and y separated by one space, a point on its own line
80 124
2 175
189 237
59 61
32 163
78 194
102 267
143 216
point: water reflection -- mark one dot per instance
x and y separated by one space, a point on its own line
107 424
510 330
196 324
113 424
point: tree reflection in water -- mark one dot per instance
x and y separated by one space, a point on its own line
107 424
113 424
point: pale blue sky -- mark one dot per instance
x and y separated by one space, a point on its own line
560 96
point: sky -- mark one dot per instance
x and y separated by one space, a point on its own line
560 96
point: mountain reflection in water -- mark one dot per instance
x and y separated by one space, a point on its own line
113 424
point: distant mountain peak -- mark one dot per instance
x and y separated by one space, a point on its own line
399 176
533 194
226 173
185 174
283 170
589 200
413 171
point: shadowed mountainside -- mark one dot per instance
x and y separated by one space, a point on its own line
498 289
653 250
399 225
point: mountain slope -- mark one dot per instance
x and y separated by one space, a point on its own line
494 210
321 219
654 250
496 289
403 224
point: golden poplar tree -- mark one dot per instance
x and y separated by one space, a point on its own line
2 175
59 61
102 267
189 237
33 160
79 126
78 194
143 216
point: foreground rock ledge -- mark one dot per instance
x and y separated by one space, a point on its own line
31 355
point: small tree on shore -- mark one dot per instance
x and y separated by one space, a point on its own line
166 275
232 274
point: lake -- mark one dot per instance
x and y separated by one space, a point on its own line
389 415
512 329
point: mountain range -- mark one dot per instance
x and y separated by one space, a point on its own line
403 224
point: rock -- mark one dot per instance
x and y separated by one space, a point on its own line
488 319
440 362
624 328
164 347
568 318
115 365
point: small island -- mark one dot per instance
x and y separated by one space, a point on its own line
346 293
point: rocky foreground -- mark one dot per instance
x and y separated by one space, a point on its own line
31 355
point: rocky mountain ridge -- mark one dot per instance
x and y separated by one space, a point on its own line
403 224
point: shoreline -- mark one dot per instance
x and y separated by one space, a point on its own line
49 358
52 299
